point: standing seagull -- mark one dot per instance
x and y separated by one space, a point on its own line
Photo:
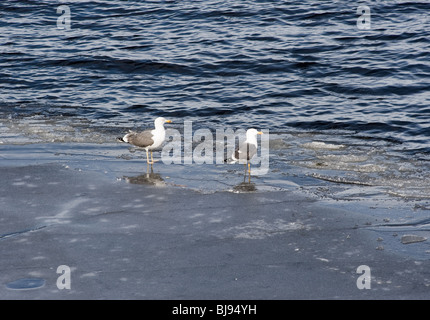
247 149
148 139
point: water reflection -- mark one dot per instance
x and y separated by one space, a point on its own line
148 178
245 187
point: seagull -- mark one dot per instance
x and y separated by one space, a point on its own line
247 149
148 139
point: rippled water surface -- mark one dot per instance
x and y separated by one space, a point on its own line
343 105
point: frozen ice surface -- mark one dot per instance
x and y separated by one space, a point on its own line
172 234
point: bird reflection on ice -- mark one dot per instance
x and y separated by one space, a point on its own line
245 187
148 178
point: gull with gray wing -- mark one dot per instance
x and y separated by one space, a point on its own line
148 139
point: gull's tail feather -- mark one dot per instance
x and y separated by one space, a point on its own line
230 160
125 138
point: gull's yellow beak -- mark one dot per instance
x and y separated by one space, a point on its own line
260 132
169 121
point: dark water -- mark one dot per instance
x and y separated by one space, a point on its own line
302 69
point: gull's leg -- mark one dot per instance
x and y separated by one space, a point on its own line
148 173
152 159
249 172
147 156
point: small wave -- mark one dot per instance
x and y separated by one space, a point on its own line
122 65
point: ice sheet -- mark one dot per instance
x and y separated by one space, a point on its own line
145 241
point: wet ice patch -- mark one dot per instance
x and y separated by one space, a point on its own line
260 229
411 238
343 158
26 284
322 145
66 212
346 159
344 180
39 128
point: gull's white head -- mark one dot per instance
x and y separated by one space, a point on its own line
159 122
252 134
